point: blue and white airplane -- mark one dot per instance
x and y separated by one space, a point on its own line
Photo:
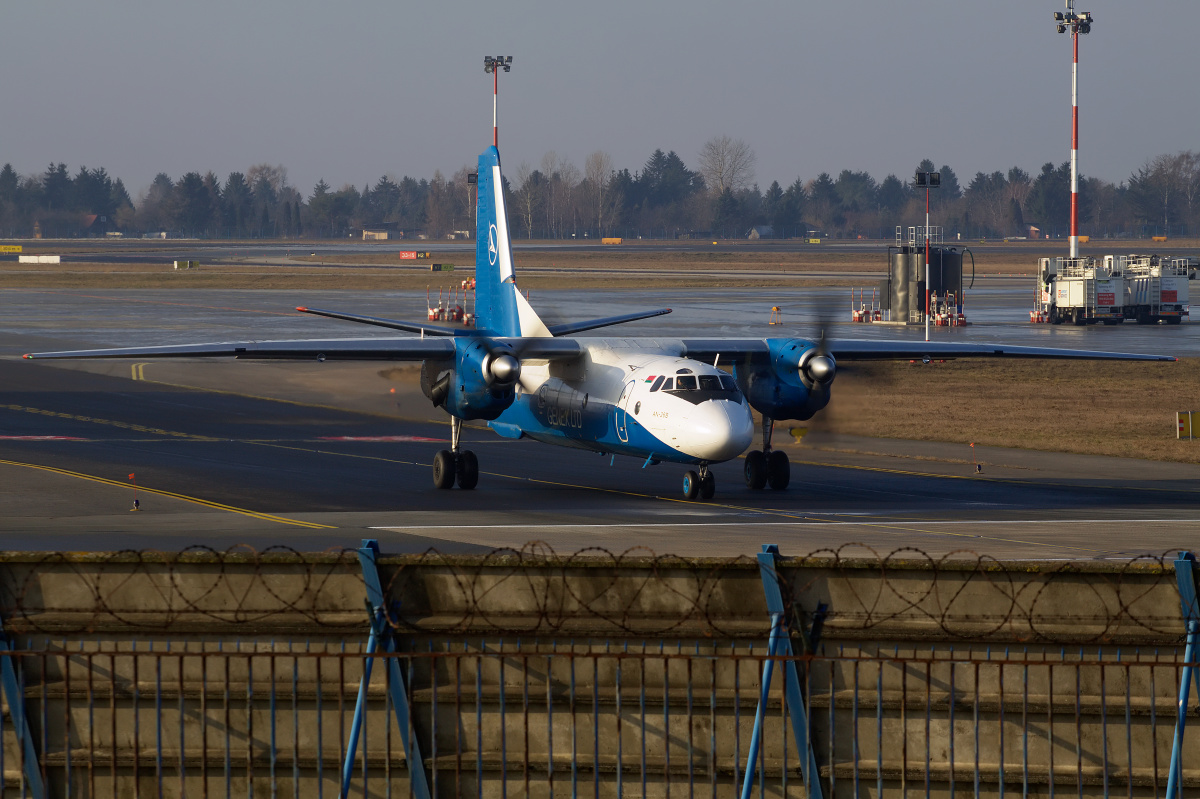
656 399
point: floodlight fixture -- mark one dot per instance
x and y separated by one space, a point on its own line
928 180
493 63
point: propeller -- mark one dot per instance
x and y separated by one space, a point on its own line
818 367
501 368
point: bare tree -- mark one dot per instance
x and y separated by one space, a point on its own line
439 212
276 176
727 163
528 196
464 193
1189 184
598 172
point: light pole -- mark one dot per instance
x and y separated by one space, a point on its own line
1078 22
493 65
930 180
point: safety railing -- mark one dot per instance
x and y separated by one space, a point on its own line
597 718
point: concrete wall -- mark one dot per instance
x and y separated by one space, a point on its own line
593 667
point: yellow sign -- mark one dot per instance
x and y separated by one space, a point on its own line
10 248
1184 418
814 241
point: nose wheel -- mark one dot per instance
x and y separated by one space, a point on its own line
767 466
702 485
452 465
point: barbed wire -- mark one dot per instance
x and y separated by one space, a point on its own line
906 594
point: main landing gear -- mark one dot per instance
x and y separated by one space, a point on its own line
452 465
767 466
703 485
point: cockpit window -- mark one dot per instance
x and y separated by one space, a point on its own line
657 383
698 388
668 384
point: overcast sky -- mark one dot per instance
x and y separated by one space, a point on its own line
352 90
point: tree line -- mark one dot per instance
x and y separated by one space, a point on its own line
555 199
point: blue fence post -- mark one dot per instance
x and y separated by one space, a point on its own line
382 635
1185 577
16 708
780 645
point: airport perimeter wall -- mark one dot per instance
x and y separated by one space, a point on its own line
214 673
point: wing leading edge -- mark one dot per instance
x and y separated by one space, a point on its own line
366 349
884 350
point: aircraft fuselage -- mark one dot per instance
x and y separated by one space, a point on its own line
623 398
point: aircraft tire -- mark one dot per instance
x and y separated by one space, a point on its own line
779 470
443 469
691 485
756 470
708 486
468 470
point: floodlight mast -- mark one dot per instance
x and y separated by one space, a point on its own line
493 65
1078 22
930 180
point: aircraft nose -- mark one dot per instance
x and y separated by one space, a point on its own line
720 430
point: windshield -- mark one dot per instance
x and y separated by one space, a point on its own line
698 388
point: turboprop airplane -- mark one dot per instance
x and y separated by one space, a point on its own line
656 399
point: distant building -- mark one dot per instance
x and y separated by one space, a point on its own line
761 232
375 234
1035 233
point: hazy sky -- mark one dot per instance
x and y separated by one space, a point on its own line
353 90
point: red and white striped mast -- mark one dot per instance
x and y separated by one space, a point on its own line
493 65
1079 23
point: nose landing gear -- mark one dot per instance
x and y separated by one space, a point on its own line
452 465
767 466
703 484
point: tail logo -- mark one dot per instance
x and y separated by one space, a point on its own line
493 253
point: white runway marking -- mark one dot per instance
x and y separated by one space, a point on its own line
769 524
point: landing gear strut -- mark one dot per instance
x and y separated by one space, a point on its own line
767 466
452 465
703 484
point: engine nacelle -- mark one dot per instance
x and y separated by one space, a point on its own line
793 383
479 384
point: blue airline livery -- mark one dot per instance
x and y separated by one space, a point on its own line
656 399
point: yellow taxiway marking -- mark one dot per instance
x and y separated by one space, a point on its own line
268 517
137 370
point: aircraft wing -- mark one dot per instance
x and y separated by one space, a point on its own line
365 349
387 349
885 350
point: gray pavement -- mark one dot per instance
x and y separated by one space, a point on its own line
314 456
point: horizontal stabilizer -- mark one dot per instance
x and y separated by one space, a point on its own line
412 327
576 327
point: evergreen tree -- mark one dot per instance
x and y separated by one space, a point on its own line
239 204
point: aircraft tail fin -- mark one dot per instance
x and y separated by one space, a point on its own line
500 308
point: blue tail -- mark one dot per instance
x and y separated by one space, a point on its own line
500 308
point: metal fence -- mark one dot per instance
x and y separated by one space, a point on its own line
595 718
528 674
